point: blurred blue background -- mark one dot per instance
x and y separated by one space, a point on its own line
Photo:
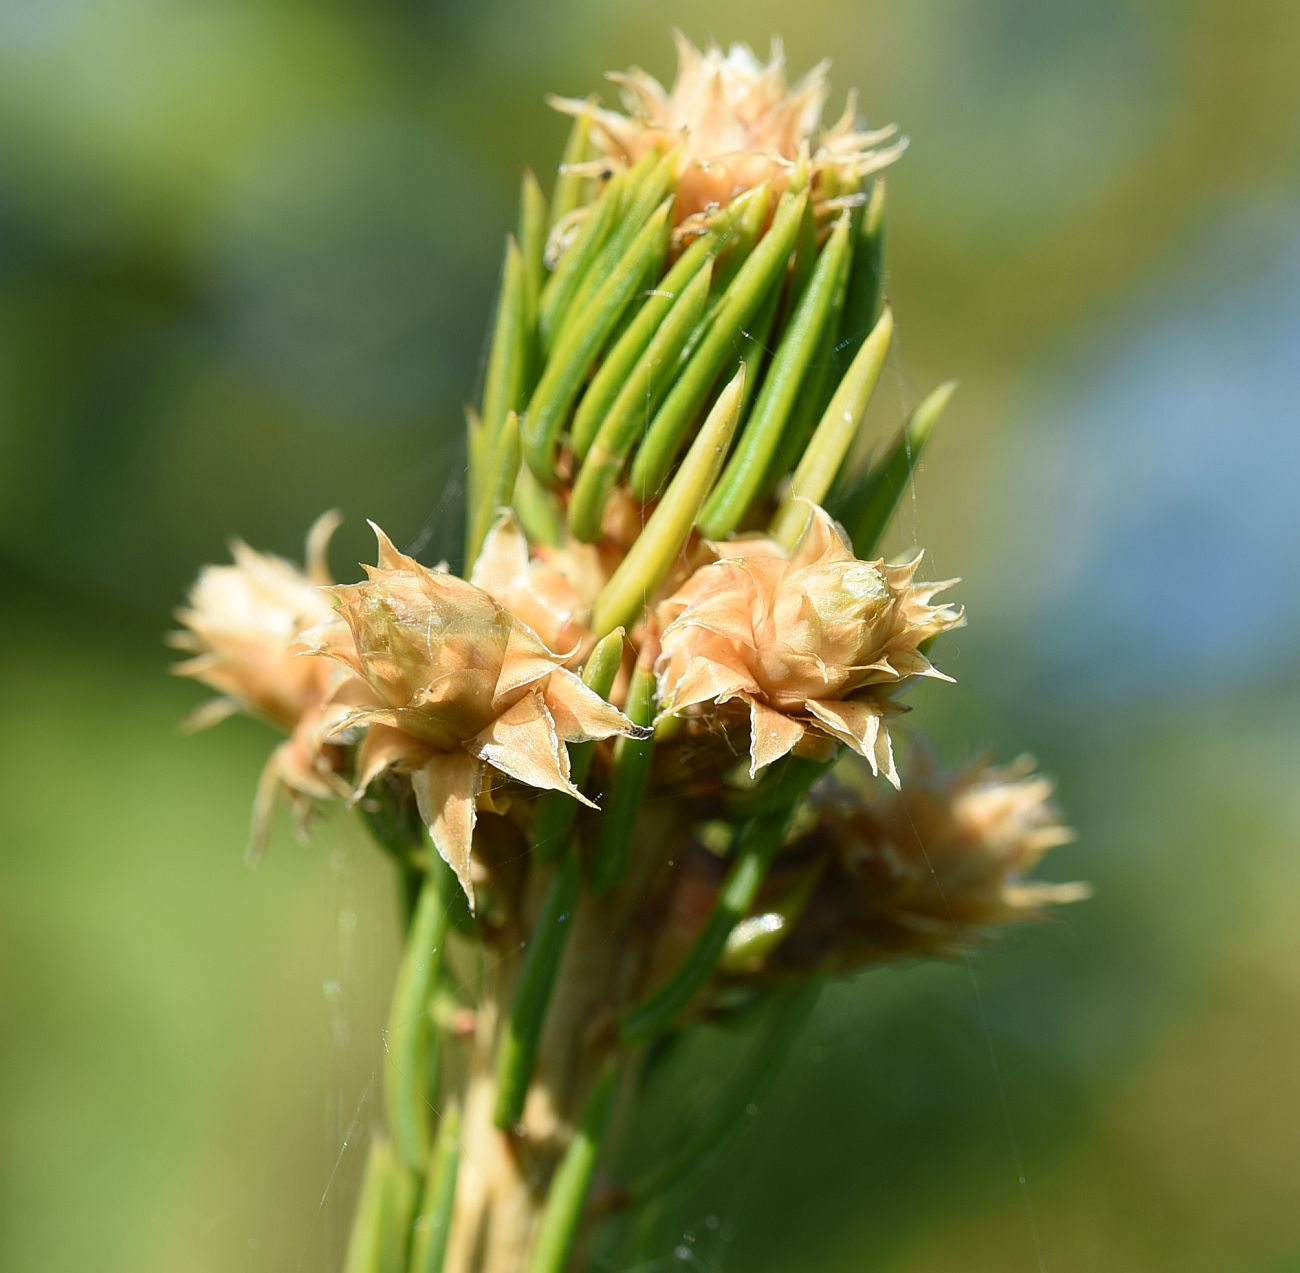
247 255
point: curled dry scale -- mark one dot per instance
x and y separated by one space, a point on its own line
635 765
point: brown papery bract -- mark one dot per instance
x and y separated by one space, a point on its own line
243 626
738 121
919 873
815 641
448 684
551 589
924 871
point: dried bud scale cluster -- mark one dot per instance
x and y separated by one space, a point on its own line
738 122
630 726
243 629
926 871
449 686
813 641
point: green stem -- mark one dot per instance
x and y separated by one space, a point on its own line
580 343
377 1243
500 472
557 810
539 510
815 392
503 387
834 435
563 281
763 269
641 348
764 1060
640 385
631 768
757 843
567 1197
871 507
412 1044
756 937
742 482
569 185
532 237
867 284
752 348
648 562
517 1051
641 198
745 231
432 1225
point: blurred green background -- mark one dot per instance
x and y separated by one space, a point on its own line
247 255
